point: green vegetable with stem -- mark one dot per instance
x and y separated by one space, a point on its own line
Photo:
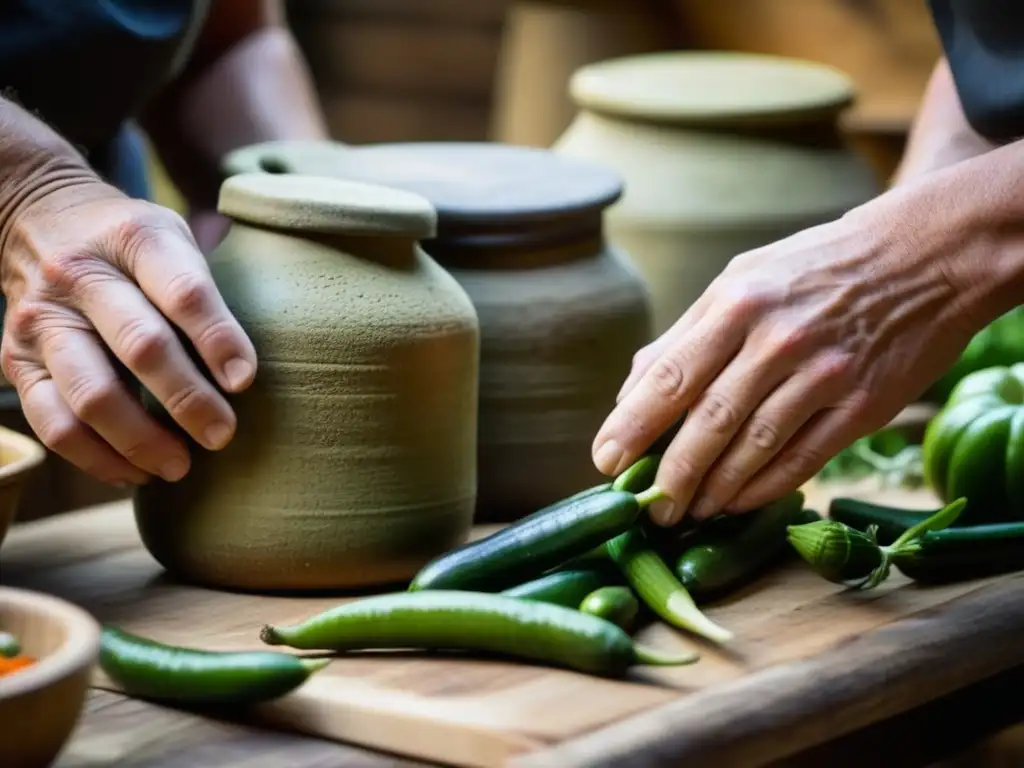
890 522
639 476
845 555
958 553
536 544
723 556
615 604
659 588
187 676
473 621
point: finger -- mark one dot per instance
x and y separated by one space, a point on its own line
62 432
821 438
173 274
147 345
91 388
645 357
821 385
714 421
668 388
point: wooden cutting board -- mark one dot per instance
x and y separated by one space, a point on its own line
811 661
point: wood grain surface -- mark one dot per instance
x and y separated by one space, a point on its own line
811 661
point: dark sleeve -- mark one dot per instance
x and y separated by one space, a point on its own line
984 44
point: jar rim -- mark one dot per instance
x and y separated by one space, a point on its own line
712 87
326 205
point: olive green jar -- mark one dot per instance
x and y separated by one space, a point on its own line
561 311
354 461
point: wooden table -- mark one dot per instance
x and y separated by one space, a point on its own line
863 697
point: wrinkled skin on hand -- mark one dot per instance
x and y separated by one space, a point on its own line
95 280
793 352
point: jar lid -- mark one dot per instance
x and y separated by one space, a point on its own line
711 87
326 205
482 183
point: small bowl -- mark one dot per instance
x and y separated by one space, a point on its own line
20 456
40 705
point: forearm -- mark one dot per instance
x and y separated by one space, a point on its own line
968 218
249 88
940 135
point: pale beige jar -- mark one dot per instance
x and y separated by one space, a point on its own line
354 461
562 312
721 153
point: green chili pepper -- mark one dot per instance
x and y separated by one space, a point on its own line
474 621
159 672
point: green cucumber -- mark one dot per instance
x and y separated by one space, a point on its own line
639 476
566 587
722 559
533 545
615 604
891 521
963 553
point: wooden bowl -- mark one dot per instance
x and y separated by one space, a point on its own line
40 705
20 455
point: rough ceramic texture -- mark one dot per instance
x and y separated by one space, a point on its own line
698 190
354 458
561 314
40 705
20 456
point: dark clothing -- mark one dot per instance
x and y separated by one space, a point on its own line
984 43
87 67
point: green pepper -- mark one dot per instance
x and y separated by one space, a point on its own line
1000 343
974 447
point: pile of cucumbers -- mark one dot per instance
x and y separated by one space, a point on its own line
564 586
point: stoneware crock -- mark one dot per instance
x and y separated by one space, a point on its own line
721 153
354 461
561 312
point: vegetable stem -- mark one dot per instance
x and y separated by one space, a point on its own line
651 495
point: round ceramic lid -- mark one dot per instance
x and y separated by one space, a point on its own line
705 87
481 183
326 205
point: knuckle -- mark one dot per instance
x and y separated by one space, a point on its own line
676 470
89 398
786 340
745 303
724 481
188 398
187 294
763 434
803 461
61 435
834 368
667 377
718 413
141 345
23 319
70 272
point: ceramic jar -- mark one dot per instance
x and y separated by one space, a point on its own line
561 311
354 461
721 153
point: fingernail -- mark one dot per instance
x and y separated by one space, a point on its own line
608 457
238 372
703 509
662 512
173 470
217 435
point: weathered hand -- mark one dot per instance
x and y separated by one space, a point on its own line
793 352
89 274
